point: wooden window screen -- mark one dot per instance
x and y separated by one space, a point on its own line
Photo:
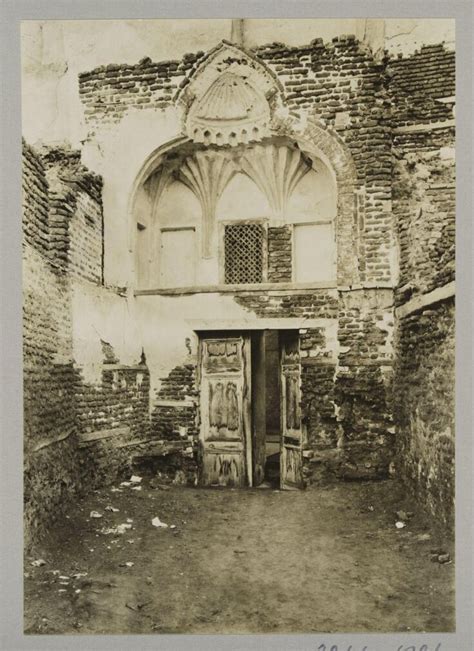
243 253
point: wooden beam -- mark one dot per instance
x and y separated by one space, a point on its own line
98 435
292 323
424 300
227 289
49 441
175 403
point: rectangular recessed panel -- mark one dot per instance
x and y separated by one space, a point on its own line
243 251
177 258
314 253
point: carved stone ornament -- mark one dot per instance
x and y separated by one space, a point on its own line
229 99
276 170
207 174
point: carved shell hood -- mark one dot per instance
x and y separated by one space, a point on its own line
231 111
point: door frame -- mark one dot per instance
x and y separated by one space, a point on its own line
247 406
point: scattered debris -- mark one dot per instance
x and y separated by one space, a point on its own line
136 488
95 514
423 536
371 509
156 522
440 556
155 484
64 578
172 526
127 564
77 591
115 490
38 563
79 575
111 508
135 479
129 519
400 525
119 529
404 515
125 483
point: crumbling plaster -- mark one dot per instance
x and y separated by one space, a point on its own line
54 52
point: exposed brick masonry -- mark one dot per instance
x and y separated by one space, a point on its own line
62 217
279 254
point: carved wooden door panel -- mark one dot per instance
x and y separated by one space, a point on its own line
225 411
291 459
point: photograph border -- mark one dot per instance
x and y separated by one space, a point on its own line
15 11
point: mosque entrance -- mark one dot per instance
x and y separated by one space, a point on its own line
250 429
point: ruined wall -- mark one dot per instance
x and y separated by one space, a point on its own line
66 417
347 368
373 118
422 87
51 469
343 87
340 84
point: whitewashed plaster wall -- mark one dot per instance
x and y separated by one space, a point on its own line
167 327
99 314
55 52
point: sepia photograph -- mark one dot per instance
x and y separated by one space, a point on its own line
238 277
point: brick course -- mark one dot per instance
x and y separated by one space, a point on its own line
62 245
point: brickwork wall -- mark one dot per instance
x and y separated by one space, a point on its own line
76 223
424 407
180 386
51 471
424 208
418 81
319 303
59 407
279 242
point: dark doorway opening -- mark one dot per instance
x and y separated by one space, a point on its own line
266 408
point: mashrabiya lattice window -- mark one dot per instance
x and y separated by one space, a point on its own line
243 253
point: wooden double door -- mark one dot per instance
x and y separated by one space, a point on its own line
233 407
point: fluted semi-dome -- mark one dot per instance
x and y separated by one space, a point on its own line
231 111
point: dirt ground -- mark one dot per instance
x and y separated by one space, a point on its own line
241 561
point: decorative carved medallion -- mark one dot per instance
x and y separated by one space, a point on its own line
229 98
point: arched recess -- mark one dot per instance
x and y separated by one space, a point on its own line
330 162
324 144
